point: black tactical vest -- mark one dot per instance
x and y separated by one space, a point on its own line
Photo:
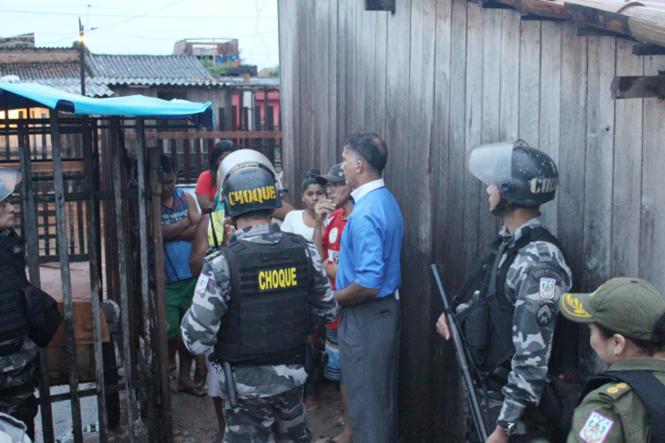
487 324
13 322
268 318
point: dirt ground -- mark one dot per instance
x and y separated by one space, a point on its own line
194 417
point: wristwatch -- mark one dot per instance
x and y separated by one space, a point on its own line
509 427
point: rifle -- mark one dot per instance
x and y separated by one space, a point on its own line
462 361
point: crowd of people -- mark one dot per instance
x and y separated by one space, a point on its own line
255 289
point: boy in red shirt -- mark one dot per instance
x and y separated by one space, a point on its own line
331 217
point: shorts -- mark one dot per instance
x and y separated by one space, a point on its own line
333 368
178 299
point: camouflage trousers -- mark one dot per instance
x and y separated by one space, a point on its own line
280 418
17 397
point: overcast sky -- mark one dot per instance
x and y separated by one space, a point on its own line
147 26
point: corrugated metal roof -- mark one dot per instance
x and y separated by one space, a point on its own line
62 75
149 70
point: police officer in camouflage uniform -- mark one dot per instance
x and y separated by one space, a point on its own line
253 304
510 302
626 403
18 354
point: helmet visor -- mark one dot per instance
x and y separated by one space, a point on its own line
492 163
9 179
240 159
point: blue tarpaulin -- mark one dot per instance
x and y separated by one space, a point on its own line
24 95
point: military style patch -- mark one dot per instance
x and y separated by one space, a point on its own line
544 315
596 428
547 288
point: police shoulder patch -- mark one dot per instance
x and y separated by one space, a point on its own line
596 428
547 288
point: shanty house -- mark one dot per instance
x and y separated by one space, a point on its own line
580 80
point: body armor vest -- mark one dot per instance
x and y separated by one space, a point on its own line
487 323
268 318
14 326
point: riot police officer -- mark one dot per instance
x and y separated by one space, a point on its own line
507 308
625 404
253 304
18 354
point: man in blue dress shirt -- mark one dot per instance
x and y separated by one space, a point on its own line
368 279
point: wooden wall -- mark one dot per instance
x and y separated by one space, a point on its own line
438 78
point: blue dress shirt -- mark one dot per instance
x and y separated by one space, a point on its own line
372 241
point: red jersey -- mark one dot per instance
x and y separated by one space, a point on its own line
331 240
204 185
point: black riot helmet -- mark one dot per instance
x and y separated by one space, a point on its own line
247 180
525 176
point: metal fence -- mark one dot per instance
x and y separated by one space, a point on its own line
86 196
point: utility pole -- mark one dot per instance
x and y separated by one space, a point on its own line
82 55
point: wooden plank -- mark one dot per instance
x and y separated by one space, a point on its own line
365 62
529 103
490 115
626 205
341 68
457 171
46 167
289 86
550 105
380 66
443 384
597 18
510 76
208 135
599 162
331 154
473 208
573 111
652 228
417 302
397 92
637 86
322 79
350 46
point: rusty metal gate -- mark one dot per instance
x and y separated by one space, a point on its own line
104 197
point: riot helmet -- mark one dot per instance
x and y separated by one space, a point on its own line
9 178
524 176
248 181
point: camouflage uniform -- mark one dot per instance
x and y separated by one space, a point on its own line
17 370
535 281
269 397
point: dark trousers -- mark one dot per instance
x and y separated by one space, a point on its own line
369 347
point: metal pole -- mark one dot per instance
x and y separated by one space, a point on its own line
82 55
146 351
95 279
158 247
30 234
128 364
70 345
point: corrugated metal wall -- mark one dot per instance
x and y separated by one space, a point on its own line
440 77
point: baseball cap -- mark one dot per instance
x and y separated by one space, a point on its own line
629 306
335 175
9 178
